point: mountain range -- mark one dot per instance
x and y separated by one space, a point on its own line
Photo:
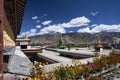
76 38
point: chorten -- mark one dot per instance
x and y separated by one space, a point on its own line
61 43
98 46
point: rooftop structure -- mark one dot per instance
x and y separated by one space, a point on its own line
23 43
98 46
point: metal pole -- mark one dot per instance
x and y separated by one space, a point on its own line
1 39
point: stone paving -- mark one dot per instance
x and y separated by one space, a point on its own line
55 56
62 60
9 76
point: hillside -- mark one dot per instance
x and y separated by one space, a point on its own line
76 38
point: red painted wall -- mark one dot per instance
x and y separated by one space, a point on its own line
1 40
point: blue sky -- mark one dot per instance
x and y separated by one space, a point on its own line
66 16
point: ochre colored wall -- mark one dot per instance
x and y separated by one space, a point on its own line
8 36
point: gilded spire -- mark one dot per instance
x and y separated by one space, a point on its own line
98 39
26 36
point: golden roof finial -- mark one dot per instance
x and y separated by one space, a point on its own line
26 36
98 39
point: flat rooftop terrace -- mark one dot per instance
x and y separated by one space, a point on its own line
54 54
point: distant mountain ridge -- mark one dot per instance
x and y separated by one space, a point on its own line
76 38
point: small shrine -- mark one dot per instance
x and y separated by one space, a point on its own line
23 43
98 46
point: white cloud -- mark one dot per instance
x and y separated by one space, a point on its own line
19 36
27 32
46 22
58 28
52 29
76 22
80 21
33 30
94 25
94 13
70 31
42 32
114 30
34 17
37 21
31 34
87 29
38 26
102 27
108 28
